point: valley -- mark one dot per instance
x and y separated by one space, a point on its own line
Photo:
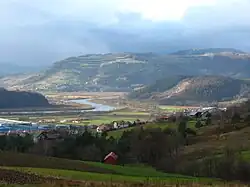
177 119
124 93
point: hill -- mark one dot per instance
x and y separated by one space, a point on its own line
125 71
193 90
20 99
208 50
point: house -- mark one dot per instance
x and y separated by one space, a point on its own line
92 126
101 128
111 158
47 135
121 125
162 118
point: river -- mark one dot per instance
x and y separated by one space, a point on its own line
4 128
97 107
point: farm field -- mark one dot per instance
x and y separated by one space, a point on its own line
95 119
83 95
88 176
171 108
92 171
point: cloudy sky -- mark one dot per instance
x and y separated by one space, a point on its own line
43 31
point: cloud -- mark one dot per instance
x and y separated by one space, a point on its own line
44 31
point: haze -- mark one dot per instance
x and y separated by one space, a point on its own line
43 31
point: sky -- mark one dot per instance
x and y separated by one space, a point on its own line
44 31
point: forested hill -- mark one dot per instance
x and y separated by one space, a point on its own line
21 99
193 90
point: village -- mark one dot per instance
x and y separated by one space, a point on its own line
52 129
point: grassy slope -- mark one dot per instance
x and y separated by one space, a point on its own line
27 160
88 176
118 133
78 170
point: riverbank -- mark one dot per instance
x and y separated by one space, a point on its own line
83 95
52 108
62 110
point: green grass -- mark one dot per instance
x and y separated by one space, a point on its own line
110 118
170 108
141 171
107 119
118 133
130 113
87 176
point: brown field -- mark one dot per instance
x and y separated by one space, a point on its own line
27 160
18 178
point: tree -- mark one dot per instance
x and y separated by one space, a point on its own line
182 127
247 119
208 121
235 118
198 124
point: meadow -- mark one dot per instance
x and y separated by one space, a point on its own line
164 125
89 172
171 108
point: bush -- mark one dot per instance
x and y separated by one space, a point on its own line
198 124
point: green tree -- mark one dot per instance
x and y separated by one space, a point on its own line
235 118
208 121
182 126
198 124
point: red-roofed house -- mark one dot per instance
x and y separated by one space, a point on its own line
111 158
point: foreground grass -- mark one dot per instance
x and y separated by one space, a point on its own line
87 176
96 184
142 171
84 170
11 159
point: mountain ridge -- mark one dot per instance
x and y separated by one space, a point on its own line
126 71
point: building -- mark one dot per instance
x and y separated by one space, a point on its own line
111 158
101 128
121 125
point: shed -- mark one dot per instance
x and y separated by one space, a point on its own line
111 158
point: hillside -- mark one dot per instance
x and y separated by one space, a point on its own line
208 50
125 71
194 90
20 99
159 86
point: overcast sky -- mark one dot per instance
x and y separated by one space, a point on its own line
43 31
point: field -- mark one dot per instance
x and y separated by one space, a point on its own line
20 168
118 133
55 168
83 95
170 108
84 118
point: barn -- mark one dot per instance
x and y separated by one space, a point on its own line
111 158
